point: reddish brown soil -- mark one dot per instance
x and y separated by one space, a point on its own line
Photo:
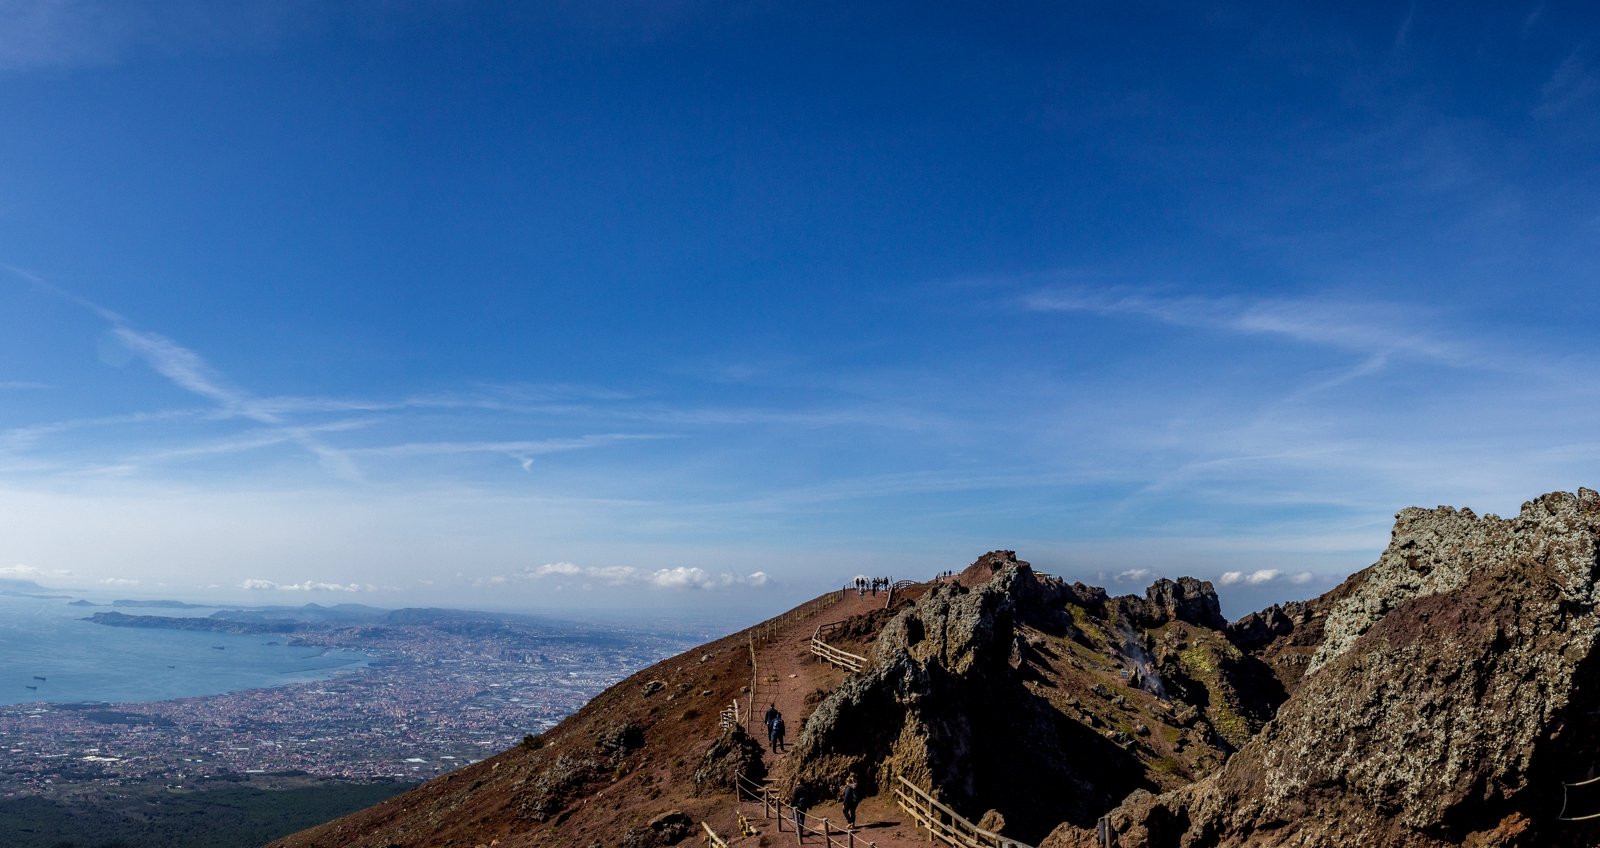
495 802
787 673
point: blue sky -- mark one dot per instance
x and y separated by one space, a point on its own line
710 306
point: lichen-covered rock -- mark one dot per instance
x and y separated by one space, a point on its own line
1453 692
617 740
946 704
555 786
733 757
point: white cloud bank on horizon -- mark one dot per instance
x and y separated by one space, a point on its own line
257 584
27 571
1263 577
680 577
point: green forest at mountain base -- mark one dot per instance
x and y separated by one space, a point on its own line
244 814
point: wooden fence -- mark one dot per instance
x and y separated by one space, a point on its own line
773 808
712 838
946 824
729 718
897 586
841 658
765 632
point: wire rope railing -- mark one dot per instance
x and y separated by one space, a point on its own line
775 808
1585 790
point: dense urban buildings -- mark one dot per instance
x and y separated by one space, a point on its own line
445 689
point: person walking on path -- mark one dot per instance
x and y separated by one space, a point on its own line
799 801
774 727
850 797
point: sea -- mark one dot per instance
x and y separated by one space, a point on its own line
49 653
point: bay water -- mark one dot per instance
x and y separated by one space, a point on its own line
85 662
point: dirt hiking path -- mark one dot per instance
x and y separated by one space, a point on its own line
787 674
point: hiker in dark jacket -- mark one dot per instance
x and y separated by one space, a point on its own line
850 797
774 718
799 800
777 734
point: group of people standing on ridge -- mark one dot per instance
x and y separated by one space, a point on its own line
864 584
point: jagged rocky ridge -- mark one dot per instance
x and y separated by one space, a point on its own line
1452 690
1438 697
1032 701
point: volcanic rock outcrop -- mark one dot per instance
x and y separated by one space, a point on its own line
1036 700
1453 688
1439 697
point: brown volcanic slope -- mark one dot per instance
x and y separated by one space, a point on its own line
651 745
626 757
1435 698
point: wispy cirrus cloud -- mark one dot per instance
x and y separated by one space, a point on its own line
1344 325
189 371
523 451
1569 87
451 423
253 440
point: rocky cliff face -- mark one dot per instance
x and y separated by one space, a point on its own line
1027 700
1453 688
1436 698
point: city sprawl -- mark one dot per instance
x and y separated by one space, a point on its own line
445 689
